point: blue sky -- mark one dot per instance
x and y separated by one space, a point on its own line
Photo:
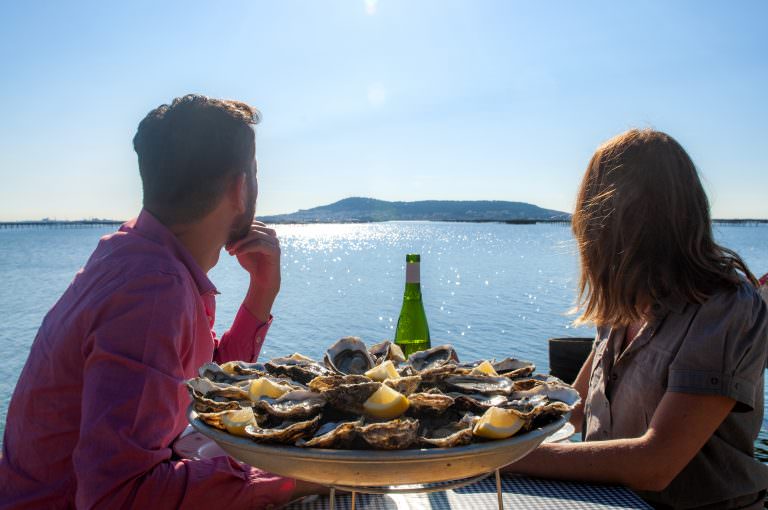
393 99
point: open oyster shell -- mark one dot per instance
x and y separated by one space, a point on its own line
299 368
349 355
404 385
390 435
433 358
329 382
486 385
434 377
206 387
350 398
428 403
333 435
477 402
232 371
448 435
294 405
386 350
216 419
287 432
541 391
345 393
514 368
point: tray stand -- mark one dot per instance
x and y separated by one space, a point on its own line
413 489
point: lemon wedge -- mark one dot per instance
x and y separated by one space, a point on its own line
236 421
386 403
484 368
383 372
497 423
263 387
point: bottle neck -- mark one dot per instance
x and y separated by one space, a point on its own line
412 291
412 281
412 272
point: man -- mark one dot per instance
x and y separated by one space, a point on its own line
101 397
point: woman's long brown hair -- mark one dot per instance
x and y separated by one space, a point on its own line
644 232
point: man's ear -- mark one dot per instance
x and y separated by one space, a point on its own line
238 193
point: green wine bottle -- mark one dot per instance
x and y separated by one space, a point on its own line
412 333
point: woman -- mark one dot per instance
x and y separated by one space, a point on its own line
672 393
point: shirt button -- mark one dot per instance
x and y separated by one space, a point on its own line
736 385
714 380
614 376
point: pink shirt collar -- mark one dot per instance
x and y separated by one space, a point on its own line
149 227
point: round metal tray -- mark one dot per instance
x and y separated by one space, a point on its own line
366 468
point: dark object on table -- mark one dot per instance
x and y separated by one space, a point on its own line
567 355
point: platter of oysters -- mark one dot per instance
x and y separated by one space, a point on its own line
367 416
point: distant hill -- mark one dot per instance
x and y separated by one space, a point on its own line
358 209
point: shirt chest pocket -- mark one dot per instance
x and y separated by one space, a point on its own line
644 382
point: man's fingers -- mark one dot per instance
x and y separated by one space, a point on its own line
263 245
265 229
254 234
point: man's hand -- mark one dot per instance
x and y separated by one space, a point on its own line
259 254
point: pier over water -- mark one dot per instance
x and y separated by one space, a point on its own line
59 224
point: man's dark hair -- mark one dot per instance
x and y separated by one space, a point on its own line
189 151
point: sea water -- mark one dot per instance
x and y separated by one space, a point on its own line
491 290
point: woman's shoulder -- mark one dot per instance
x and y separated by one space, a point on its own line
744 301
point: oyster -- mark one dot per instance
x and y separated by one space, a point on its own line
404 385
349 356
216 419
386 350
433 358
333 435
287 432
428 403
458 433
479 384
232 371
200 387
541 402
299 368
329 382
477 402
434 377
546 391
294 405
390 435
467 366
349 398
514 368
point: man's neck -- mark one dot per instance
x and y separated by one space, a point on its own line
201 241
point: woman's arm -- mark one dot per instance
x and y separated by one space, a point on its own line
680 427
581 384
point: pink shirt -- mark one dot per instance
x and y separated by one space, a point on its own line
101 397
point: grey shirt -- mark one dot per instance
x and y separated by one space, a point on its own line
719 347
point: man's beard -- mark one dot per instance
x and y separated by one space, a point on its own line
241 225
